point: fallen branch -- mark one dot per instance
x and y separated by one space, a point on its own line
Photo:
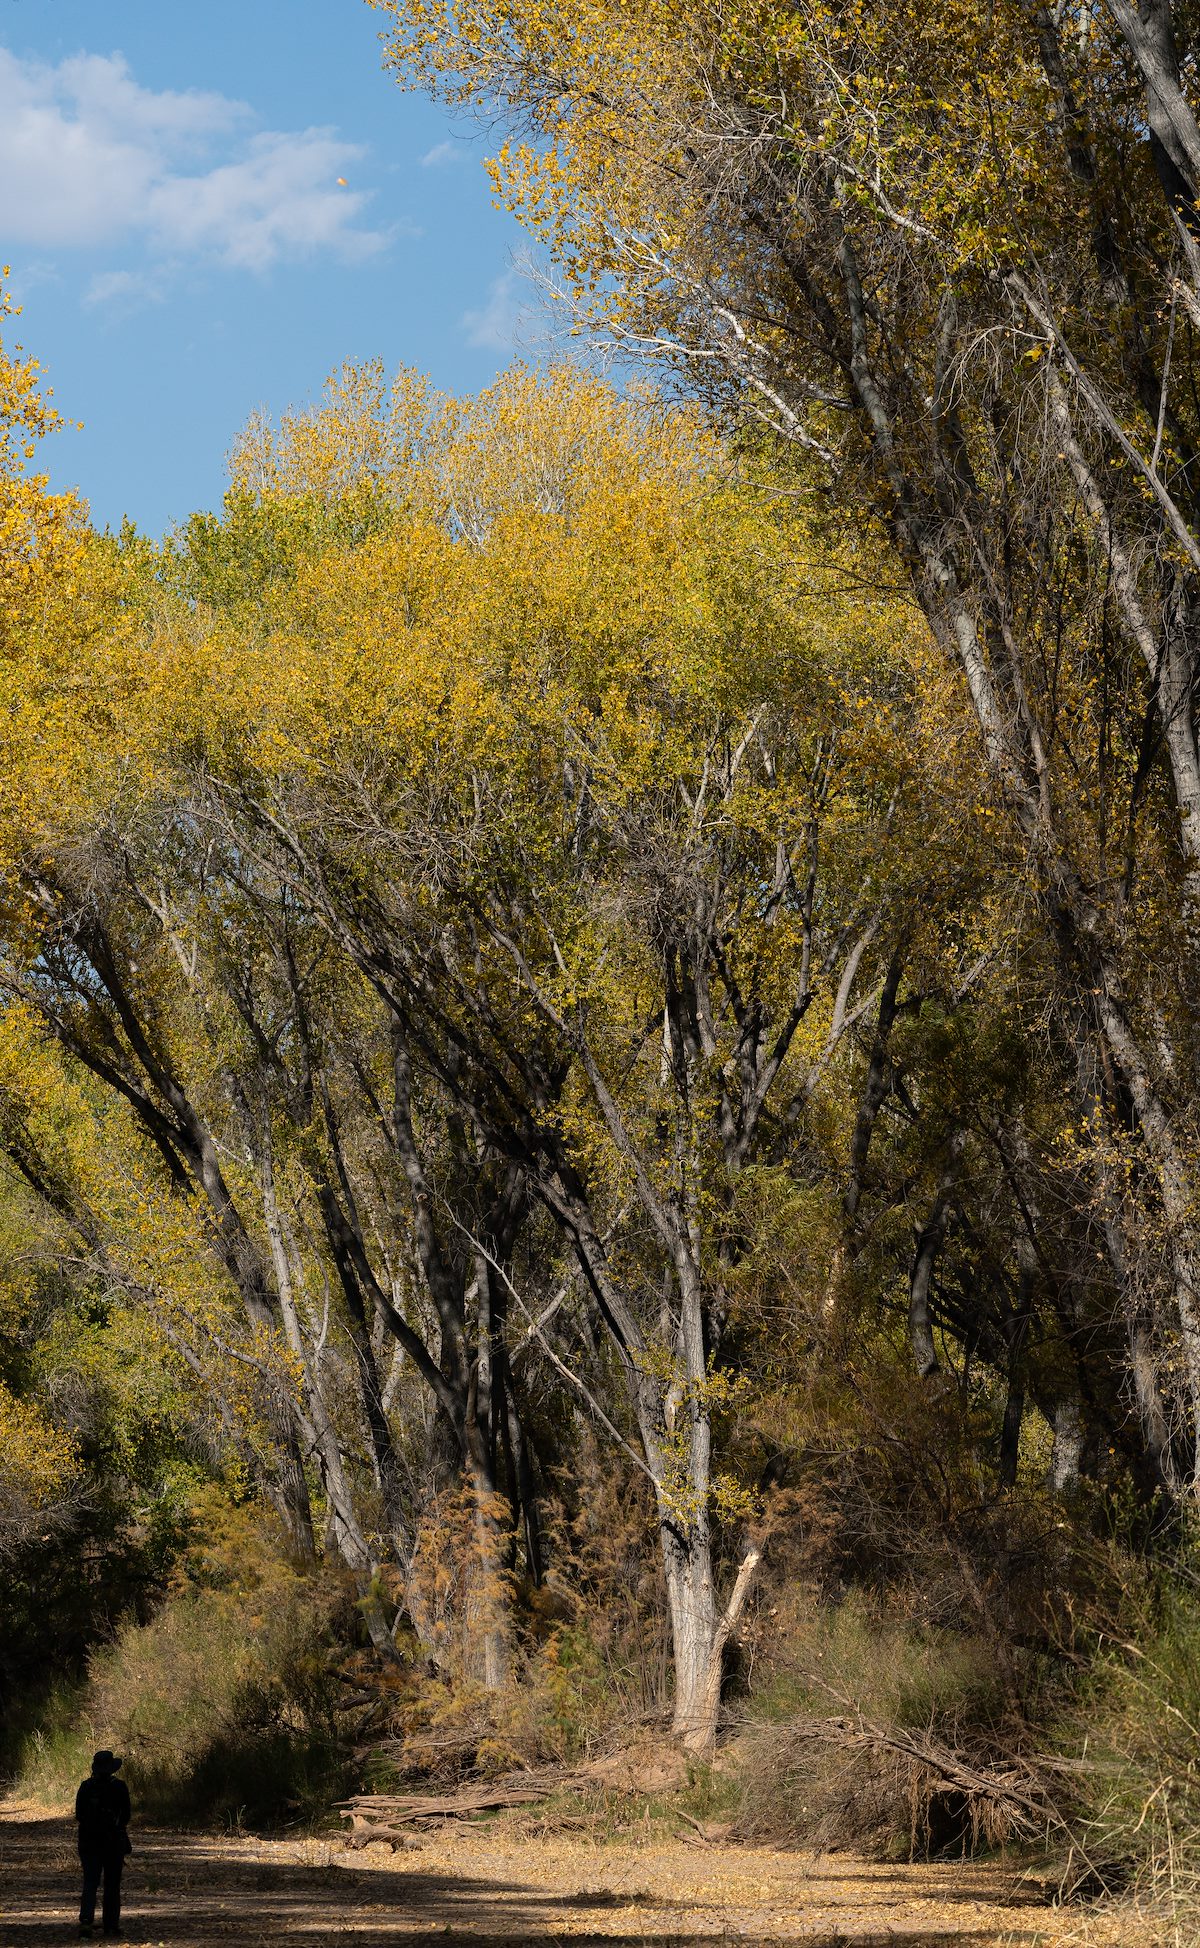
376 1816
1020 1790
680 1814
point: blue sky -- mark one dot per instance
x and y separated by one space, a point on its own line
183 249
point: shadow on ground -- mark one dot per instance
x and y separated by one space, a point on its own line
194 1890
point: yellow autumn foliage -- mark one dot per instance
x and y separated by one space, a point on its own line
39 531
38 1463
935 115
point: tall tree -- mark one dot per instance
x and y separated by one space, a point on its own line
611 841
948 257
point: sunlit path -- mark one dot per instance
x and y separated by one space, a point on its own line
465 1886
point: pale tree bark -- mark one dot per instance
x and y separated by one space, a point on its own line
1148 30
669 1173
363 1563
1017 756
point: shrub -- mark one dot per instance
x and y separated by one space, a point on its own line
1134 1737
225 1704
558 1707
54 1754
816 1764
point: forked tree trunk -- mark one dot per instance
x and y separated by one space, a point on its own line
688 1563
699 1636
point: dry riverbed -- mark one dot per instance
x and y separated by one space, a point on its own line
481 1885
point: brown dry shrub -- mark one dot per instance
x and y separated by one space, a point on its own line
590 1651
459 1585
608 1572
848 1665
875 1802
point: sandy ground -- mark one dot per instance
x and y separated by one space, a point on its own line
477 1885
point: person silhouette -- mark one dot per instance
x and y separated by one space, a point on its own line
102 1810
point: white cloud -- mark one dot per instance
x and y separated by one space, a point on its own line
280 199
124 290
498 323
30 275
442 153
89 157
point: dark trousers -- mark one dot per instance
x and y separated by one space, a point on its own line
101 1865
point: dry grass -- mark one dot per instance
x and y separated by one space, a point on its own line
880 1735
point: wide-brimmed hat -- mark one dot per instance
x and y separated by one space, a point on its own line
105 1762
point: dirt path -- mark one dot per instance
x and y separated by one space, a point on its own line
476 1886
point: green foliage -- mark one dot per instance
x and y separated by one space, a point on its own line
848 1656
101 1451
223 1704
853 1665
233 562
49 1746
1134 1734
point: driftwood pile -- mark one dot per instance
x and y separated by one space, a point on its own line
951 1794
1018 1796
645 1765
382 1815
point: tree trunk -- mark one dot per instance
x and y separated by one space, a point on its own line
699 1636
929 1243
322 1439
687 1559
1067 1453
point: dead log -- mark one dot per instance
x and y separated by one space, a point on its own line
377 1816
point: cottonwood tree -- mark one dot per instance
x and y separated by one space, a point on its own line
251 1065
949 259
609 841
332 1110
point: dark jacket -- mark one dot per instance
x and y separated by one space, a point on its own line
102 1809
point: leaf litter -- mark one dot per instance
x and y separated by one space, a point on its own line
485 1885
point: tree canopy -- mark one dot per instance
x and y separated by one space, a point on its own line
654 922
